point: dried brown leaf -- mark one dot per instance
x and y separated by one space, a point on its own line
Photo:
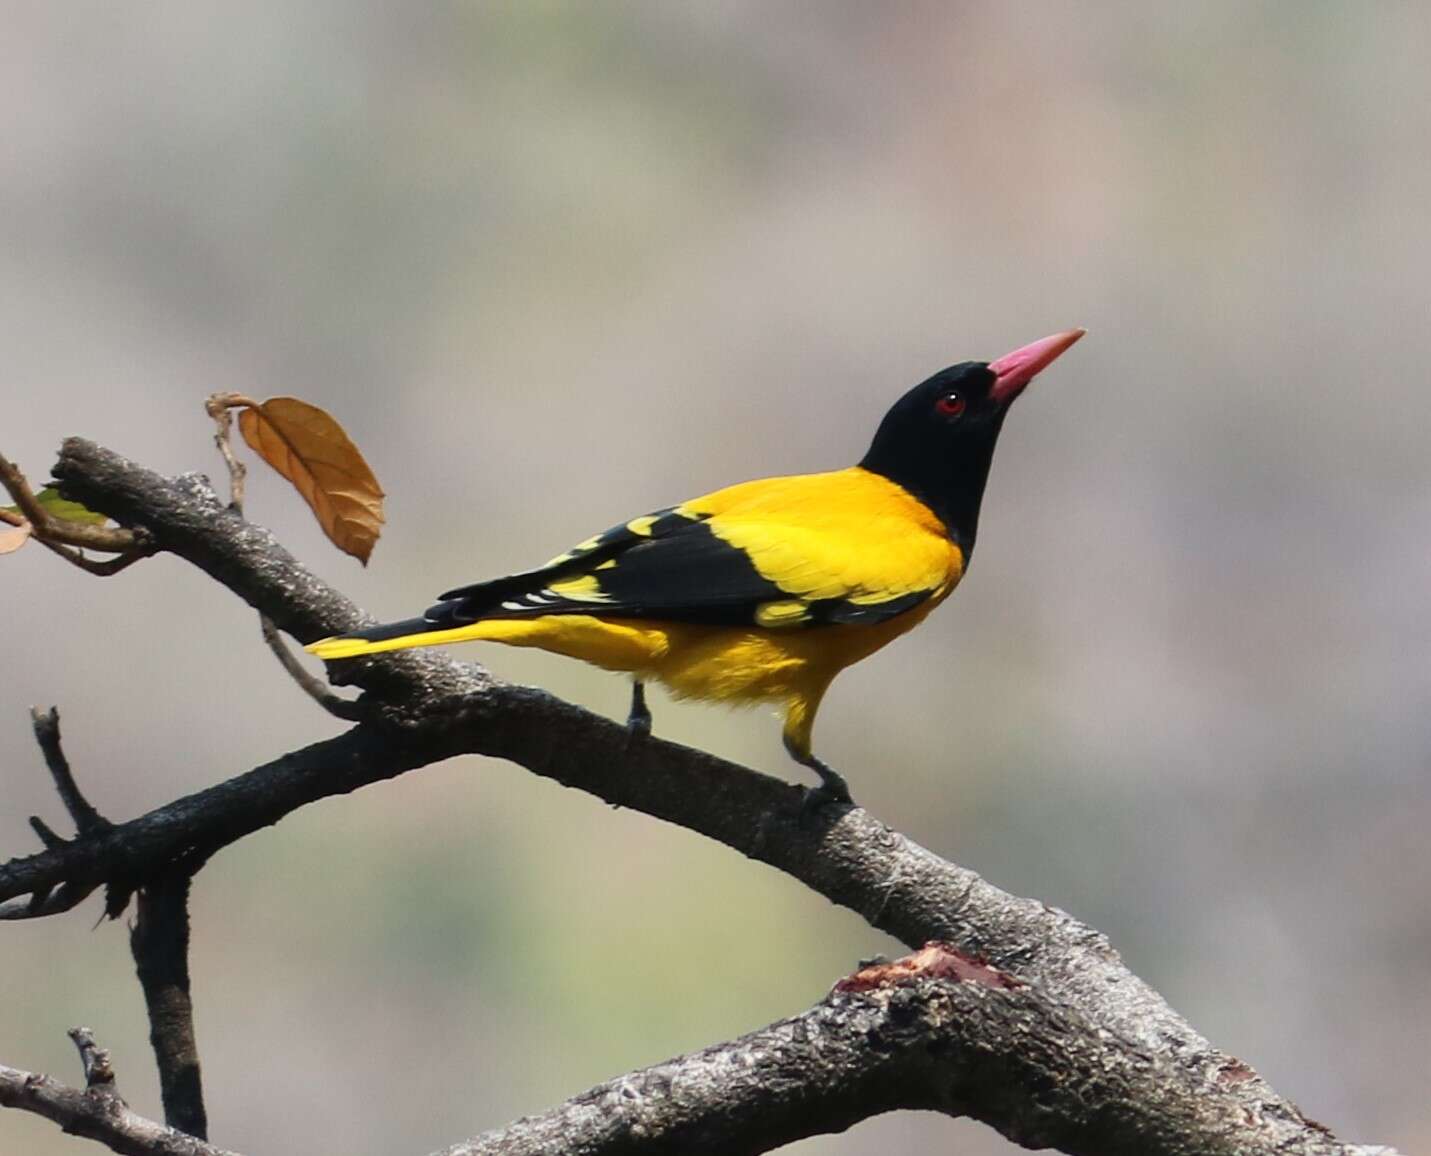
309 448
13 537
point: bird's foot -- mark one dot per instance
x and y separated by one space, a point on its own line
638 720
816 799
832 789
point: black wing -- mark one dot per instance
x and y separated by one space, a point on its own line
669 566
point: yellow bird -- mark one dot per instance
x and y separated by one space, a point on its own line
763 591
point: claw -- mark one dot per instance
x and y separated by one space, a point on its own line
832 788
817 799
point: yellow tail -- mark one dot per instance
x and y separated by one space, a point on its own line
345 646
615 646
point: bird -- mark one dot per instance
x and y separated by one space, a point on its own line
765 590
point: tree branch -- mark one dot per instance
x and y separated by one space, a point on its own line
159 941
47 733
425 707
59 534
936 1031
96 1111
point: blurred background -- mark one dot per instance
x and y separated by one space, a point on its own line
554 265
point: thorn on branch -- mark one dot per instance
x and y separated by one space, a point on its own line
36 906
51 841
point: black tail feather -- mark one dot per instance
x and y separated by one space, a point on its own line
394 630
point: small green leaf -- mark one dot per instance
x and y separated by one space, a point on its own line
62 508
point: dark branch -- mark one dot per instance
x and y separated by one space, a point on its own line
87 820
159 941
47 733
426 707
96 1111
147 847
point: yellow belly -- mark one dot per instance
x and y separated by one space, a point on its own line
719 663
738 666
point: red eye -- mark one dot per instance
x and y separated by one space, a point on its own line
950 405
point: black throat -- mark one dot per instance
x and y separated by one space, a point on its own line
949 480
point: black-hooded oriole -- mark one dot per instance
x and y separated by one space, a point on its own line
763 591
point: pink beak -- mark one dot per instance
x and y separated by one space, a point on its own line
1015 370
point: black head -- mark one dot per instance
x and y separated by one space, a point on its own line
938 439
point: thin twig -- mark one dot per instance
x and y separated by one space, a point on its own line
312 686
46 901
98 1072
86 818
220 407
100 568
47 733
112 539
96 1111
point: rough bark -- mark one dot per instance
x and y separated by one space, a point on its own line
159 941
1040 1073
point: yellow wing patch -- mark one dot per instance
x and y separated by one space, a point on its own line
775 615
577 551
586 588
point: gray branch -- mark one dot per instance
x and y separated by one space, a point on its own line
957 1040
424 707
96 1110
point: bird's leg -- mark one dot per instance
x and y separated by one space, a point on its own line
638 722
832 788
